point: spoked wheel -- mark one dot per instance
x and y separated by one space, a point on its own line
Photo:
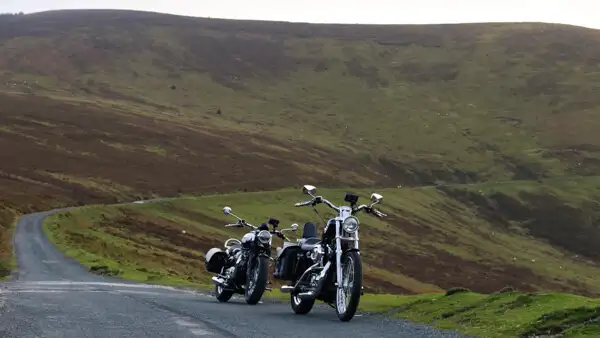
256 282
348 295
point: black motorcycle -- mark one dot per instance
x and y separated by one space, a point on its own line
243 266
328 268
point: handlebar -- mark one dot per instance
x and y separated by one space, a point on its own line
279 234
240 224
318 199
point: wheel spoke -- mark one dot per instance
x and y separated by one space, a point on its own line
344 291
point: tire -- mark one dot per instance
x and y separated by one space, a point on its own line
222 295
301 306
259 277
350 259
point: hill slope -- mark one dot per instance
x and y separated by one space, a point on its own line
448 102
105 106
480 237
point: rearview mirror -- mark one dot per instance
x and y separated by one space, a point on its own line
376 198
294 227
309 189
227 210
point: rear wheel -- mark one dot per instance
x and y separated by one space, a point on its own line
256 282
348 296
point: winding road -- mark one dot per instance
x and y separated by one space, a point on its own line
54 296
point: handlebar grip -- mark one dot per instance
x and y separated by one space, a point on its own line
301 204
379 213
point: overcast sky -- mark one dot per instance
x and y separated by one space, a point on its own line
575 12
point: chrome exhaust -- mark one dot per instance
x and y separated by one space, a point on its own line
287 289
218 281
306 295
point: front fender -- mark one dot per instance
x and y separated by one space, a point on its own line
264 254
350 250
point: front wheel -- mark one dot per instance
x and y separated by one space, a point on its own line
348 295
256 282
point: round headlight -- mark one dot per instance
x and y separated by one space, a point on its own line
350 224
264 237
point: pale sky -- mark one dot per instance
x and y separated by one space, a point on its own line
575 12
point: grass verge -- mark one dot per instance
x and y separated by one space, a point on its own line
443 238
8 262
509 314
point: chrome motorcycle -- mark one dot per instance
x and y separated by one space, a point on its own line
327 268
243 266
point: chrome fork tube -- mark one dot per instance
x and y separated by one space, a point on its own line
338 255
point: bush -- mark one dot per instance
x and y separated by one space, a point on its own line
4 268
456 290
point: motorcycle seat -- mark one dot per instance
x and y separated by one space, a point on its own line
307 244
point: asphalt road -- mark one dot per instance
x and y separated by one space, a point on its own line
53 296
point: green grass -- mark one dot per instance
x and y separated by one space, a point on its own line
8 221
431 228
510 314
507 314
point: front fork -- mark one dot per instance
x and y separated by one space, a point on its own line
338 255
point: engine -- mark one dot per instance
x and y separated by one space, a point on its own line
317 253
236 265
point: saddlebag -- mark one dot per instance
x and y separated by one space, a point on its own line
215 260
285 266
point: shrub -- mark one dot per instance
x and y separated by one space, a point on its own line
456 290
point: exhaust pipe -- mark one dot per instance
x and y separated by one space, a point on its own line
218 281
286 289
306 295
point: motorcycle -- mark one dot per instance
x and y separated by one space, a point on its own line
328 269
243 266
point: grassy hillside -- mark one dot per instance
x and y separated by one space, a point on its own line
108 106
57 153
434 239
448 102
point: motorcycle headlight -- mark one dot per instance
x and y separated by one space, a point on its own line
264 237
350 224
